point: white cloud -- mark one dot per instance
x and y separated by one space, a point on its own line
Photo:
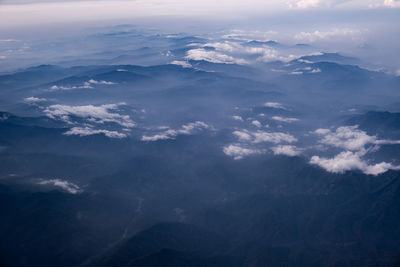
85 85
262 137
256 123
213 56
302 4
243 136
348 160
307 3
186 129
95 114
227 52
276 137
33 100
182 63
66 88
238 152
386 3
85 131
328 35
315 71
296 73
355 143
8 40
65 185
350 138
284 119
274 105
269 54
91 81
286 150
391 3
237 118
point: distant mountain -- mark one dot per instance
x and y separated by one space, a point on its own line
267 43
331 57
384 123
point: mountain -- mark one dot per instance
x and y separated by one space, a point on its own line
331 57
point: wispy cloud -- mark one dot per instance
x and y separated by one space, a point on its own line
284 119
262 137
64 185
274 105
34 100
94 114
337 33
213 56
186 129
239 152
86 131
237 118
86 85
183 64
286 150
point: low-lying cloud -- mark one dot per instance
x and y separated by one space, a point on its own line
86 131
93 114
186 129
64 185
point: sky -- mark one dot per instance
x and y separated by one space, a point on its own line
17 13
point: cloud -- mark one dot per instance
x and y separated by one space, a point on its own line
8 40
276 137
315 71
213 56
391 3
85 85
238 152
256 123
95 114
65 185
284 119
328 35
261 137
296 73
66 88
274 105
307 3
227 52
91 81
33 100
237 118
186 129
286 150
86 131
349 160
357 144
183 64
304 4
243 136
350 138
386 3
